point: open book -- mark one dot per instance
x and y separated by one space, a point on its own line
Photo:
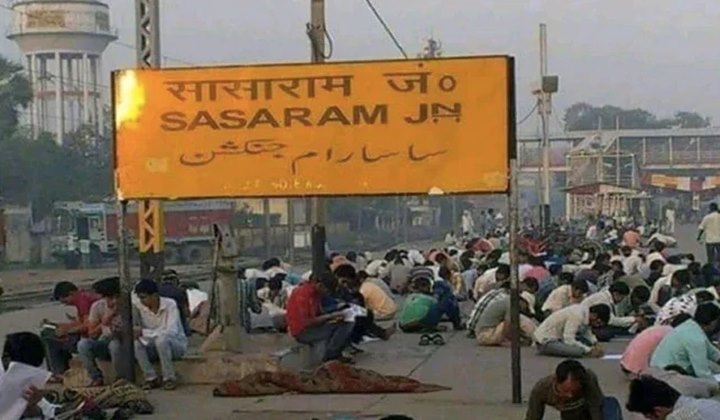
13 383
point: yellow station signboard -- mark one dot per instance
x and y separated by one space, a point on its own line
355 128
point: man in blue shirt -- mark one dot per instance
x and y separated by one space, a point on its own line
688 347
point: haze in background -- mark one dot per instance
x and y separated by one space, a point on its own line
659 55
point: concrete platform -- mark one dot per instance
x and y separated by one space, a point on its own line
210 369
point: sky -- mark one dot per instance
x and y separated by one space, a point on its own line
660 55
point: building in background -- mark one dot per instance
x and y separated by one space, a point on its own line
667 165
62 43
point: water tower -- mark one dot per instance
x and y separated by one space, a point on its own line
63 42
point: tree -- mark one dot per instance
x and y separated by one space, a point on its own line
583 116
15 94
686 119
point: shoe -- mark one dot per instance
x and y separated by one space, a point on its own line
354 349
152 384
169 385
438 340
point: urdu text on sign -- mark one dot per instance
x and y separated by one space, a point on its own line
357 128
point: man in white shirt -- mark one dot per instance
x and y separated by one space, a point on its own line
592 233
631 260
490 279
567 332
670 221
565 295
710 228
672 285
161 335
654 399
611 297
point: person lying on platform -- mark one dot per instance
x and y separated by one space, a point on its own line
308 325
160 335
575 392
61 338
103 329
568 332
688 345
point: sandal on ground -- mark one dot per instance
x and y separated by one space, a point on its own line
425 340
169 385
152 384
438 340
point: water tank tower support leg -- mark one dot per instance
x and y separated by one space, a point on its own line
69 78
59 111
43 120
100 115
86 97
32 69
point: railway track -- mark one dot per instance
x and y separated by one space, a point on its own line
25 299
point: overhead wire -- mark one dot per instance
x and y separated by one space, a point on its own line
390 33
316 48
529 114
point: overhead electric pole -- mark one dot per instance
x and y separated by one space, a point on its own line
548 86
150 223
316 33
151 229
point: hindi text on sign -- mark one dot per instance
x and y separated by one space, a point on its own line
409 126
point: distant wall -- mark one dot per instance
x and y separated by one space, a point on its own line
18 241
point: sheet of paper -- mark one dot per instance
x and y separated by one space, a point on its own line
354 311
13 383
612 357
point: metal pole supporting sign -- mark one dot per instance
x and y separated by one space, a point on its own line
127 361
514 286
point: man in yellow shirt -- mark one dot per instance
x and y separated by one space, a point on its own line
376 299
382 305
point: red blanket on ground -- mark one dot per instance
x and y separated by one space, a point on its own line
330 378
